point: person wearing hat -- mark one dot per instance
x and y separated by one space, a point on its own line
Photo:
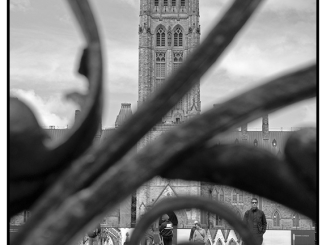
192 231
166 230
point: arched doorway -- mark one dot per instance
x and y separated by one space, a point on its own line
173 218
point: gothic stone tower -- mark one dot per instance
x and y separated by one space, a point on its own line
168 32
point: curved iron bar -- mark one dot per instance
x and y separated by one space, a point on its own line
25 187
28 170
91 66
301 154
244 167
173 204
94 201
176 86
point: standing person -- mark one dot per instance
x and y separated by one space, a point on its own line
199 234
192 231
256 220
166 230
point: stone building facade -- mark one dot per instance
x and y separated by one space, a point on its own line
169 31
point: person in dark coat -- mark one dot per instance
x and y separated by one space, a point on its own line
192 231
166 230
256 220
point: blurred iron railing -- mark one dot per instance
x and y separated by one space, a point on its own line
70 185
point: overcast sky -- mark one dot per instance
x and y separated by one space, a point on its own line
46 43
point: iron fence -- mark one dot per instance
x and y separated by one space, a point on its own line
77 185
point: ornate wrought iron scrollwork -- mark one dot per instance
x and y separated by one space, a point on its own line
76 200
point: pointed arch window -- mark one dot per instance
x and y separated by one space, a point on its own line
160 70
255 142
177 60
160 37
178 37
221 195
234 196
240 197
236 141
219 242
169 38
215 194
274 143
156 3
276 219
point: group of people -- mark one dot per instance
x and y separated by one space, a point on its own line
254 218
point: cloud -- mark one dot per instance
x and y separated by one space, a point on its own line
122 68
20 5
53 110
297 5
66 18
44 62
131 2
45 52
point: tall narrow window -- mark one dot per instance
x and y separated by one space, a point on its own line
183 3
234 196
160 37
255 142
169 38
178 37
160 69
156 3
221 197
174 3
215 194
276 219
177 60
133 209
165 2
240 197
